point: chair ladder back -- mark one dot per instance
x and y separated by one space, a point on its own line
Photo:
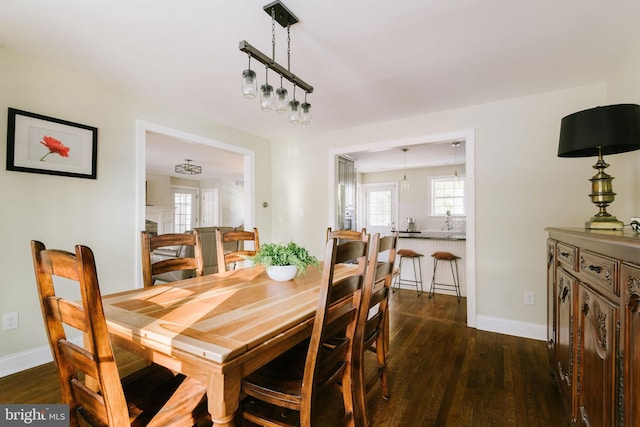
335 319
372 324
150 243
96 359
224 238
344 235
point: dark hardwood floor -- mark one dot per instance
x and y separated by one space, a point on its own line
441 374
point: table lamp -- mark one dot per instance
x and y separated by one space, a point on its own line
597 131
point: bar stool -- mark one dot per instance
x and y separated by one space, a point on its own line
417 272
453 260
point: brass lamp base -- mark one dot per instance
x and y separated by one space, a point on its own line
604 223
602 195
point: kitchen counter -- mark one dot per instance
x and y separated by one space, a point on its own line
428 242
434 235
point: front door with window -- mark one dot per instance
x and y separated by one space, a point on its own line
380 202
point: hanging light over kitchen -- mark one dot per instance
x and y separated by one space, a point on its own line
404 183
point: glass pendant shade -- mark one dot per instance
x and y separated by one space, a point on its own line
282 100
249 84
294 111
305 114
404 183
266 97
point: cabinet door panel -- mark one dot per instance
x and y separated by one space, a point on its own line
630 283
566 285
597 350
551 298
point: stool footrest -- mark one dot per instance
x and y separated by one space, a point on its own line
417 271
453 261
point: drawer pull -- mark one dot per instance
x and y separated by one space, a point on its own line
564 254
595 268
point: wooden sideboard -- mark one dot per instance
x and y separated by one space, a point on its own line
593 306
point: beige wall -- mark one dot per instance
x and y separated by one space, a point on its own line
521 187
101 213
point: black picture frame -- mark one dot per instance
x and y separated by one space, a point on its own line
46 145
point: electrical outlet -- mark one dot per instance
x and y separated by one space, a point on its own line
10 321
529 298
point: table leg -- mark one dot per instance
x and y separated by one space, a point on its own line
223 394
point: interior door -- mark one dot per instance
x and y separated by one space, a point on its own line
381 208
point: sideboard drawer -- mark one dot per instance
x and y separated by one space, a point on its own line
601 270
568 256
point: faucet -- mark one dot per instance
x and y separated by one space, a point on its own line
447 224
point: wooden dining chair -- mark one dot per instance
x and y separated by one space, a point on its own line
372 333
237 254
182 261
292 380
153 396
343 235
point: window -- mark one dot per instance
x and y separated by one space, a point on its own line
447 194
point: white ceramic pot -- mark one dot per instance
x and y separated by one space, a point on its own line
282 273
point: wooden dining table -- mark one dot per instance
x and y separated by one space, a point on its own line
217 328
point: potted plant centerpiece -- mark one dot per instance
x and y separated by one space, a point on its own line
284 261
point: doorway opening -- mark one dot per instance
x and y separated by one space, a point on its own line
468 138
248 178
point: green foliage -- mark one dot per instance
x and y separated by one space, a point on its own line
287 254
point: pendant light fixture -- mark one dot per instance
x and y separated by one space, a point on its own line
294 109
305 114
266 93
249 82
278 100
282 99
188 168
455 146
404 183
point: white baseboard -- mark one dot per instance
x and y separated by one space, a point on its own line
24 360
511 327
28 359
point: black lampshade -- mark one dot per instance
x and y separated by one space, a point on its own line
615 128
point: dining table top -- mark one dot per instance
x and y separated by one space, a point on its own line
219 316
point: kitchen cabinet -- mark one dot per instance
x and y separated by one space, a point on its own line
347 178
593 279
346 207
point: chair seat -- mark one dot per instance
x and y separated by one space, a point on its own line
444 256
175 400
408 253
282 377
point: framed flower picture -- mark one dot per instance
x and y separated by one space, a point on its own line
41 144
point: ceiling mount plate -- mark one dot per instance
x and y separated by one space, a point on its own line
284 16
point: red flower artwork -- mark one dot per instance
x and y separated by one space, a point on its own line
54 146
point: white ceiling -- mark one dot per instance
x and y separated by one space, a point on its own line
368 61
164 152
